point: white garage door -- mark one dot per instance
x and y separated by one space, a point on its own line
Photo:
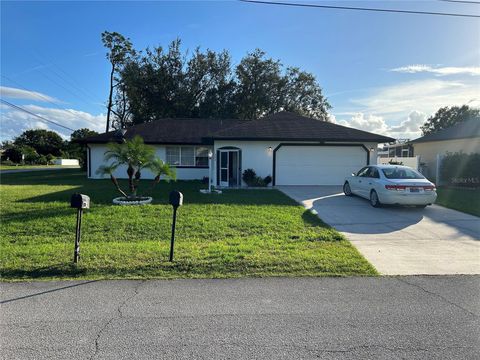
317 165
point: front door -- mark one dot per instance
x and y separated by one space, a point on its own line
229 168
224 167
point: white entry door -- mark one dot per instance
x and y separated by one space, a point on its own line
224 170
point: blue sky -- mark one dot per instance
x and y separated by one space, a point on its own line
381 72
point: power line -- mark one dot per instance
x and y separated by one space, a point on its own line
461 1
42 96
360 8
31 113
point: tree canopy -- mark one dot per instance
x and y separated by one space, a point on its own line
446 117
157 83
43 141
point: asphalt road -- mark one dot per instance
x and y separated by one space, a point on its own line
273 318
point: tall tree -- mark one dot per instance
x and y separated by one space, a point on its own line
43 141
120 51
260 85
446 117
159 83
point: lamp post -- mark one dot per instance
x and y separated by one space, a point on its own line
210 156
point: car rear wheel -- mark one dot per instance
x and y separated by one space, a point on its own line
346 189
374 199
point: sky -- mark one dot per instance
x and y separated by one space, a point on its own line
381 72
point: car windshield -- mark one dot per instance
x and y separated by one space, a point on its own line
401 173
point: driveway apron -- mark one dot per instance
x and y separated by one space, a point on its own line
398 240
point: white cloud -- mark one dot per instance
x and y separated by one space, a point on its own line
441 71
361 121
14 122
408 128
411 125
14 93
426 96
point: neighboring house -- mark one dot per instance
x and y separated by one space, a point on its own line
401 148
462 137
293 149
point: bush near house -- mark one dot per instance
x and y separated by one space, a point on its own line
250 178
460 169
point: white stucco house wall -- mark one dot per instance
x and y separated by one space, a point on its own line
292 149
462 137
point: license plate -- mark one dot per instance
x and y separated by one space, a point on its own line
415 190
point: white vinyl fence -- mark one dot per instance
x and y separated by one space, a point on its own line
413 162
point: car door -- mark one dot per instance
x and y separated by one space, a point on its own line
371 179
363 182
356 181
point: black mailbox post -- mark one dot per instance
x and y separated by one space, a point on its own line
79 202
175 199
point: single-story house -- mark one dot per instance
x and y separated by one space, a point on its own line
462 137
292 149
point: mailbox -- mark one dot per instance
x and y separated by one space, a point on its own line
176 199
80 201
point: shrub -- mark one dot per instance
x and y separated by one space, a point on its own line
267 180
8 163
460 169
42 160
250 178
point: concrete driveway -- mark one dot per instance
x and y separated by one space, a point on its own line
398 240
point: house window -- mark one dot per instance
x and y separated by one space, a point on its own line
187 156
405 152
173 155
201 156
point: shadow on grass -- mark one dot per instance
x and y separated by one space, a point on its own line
52 271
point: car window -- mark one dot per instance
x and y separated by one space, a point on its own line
363 171
373 173
401 173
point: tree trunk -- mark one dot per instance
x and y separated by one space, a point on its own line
110 98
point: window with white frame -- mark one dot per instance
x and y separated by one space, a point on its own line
195 156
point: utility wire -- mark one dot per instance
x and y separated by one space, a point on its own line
360 8
461 1
31 113
43 97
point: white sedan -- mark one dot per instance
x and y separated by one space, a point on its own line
391 184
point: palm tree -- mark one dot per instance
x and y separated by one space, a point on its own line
136 155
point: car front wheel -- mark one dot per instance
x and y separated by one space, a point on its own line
374 199
346 189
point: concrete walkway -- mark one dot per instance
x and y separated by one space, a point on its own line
399 240
274 318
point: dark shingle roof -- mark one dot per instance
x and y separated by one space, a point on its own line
170 131
283 126
293 127
464 130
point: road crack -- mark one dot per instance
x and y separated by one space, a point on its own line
117 315
438 296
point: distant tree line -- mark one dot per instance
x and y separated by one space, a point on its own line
156 83
41 147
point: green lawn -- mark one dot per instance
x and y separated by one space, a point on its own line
238 233
465 200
